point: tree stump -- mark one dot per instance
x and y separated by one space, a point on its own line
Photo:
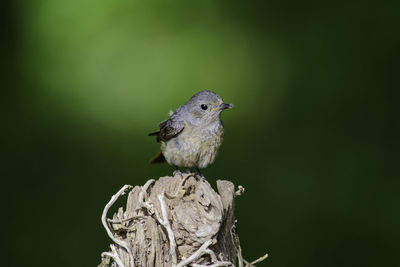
174 222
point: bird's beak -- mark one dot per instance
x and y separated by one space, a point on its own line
225 106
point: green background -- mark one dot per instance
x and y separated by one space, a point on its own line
313 136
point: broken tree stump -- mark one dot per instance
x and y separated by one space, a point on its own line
174 222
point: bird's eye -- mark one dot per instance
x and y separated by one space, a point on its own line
203 106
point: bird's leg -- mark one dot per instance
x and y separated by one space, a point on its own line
199 174
177 172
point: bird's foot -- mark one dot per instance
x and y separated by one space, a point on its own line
200 176
187 170
178 173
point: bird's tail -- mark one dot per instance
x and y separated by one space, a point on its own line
154 133
159 158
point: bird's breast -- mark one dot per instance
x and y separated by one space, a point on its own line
194 146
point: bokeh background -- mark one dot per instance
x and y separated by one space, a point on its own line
312 137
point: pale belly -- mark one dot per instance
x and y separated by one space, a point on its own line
195 148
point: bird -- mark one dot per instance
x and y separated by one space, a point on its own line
193 134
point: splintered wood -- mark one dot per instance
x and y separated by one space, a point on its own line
174 222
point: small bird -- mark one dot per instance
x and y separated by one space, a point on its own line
193 134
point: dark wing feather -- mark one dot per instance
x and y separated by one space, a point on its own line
169 129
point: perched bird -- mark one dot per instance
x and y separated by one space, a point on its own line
193 134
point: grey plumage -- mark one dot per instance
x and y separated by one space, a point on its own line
193 134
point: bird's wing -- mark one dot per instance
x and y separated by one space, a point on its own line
169 129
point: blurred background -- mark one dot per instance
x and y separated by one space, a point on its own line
312 137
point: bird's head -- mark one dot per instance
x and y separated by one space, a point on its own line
205 107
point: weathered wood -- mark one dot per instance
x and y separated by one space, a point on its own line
175 221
